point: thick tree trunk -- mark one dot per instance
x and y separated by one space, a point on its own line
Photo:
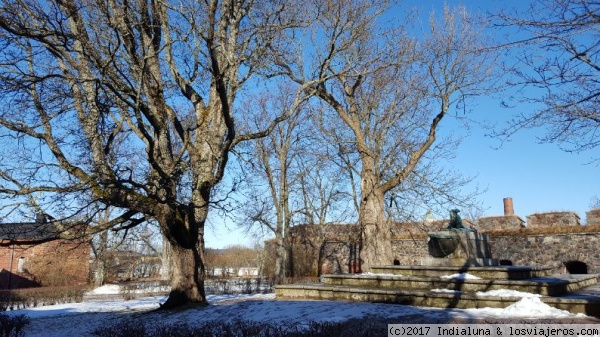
187 265
376 232
187 281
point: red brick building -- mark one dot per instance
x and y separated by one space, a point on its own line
31 254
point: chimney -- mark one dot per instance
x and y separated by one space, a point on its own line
40 218
508 207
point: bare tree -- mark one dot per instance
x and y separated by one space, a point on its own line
130 104
558 68
391 92
273 171
595 203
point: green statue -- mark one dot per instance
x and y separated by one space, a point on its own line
456 221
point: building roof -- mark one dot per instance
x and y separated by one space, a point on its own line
39 230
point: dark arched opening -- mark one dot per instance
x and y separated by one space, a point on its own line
576 267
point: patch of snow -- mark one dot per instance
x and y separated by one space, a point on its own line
534 307
451 291
381 274
461 276
107 289
506 293
76 319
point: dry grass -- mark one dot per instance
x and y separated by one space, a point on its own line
524 231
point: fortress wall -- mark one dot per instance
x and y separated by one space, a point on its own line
548 239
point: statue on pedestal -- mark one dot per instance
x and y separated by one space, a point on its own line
456 221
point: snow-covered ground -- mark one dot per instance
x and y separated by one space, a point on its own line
76 319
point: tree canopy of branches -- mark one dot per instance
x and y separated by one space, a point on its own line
288 176
559 58
130 104
271 173
391 92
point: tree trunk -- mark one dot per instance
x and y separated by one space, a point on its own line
184 230
101 254
280 259
187 281
376 232
165 259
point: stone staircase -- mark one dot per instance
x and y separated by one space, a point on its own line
430 286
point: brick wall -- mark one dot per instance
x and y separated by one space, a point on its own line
44 263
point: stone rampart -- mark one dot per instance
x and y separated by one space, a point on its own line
553 219
505 222
549 249
549 239
593 217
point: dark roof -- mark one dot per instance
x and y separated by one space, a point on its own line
28 231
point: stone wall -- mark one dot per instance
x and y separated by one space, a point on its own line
506 222
551 239
593 217
553 219
549 249
410 251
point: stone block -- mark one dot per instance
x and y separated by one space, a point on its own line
553 219
491 223
593 217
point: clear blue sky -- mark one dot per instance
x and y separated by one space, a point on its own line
539 177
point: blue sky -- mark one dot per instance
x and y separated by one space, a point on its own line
538 177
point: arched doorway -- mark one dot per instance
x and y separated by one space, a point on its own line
576 267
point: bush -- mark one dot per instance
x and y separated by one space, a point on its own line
12 326
126 328
239 329
32 297
131 290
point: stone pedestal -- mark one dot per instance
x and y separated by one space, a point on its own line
459 248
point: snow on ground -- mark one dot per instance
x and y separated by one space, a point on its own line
506 293
381 274
450 291
461 276
107 289
78 319
534 307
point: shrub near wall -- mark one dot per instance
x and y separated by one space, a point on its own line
34 297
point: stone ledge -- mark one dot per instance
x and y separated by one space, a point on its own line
491 272
588 306
527 231
554 285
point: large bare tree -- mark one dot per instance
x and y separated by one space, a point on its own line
130 104
556 63
391 93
